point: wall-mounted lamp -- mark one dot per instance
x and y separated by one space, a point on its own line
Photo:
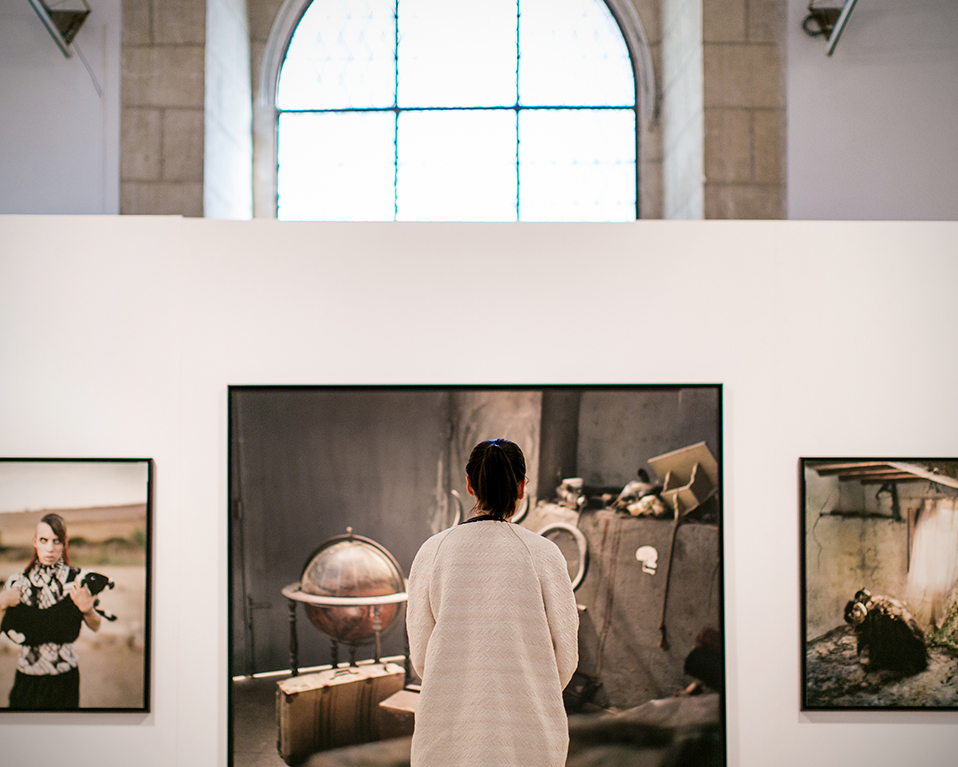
62 23
828 21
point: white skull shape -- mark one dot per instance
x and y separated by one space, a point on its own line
649 558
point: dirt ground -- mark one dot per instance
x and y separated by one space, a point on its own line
837 679
111 660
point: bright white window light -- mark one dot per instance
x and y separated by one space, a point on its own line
336 166
457 165
454 53
431 110
566 175
341 56
572 54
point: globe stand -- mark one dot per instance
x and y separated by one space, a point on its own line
294 593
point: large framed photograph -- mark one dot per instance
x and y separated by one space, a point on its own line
879 583
333 490
75 542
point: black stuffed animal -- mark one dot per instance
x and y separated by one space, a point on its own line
60 623
95 583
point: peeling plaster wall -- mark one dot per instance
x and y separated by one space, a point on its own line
844 553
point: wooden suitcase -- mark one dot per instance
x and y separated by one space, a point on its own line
333 708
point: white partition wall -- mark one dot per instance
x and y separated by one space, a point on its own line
120 336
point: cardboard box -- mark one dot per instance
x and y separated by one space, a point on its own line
689 476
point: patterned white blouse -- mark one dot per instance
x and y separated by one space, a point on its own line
43 587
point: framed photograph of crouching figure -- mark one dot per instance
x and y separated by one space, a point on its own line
75 584
334 489
879 583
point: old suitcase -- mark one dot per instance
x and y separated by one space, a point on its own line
332 708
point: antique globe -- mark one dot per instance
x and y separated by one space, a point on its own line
352 589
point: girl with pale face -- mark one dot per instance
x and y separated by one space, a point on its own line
47 544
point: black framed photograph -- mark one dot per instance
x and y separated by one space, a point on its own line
334 489
879 583
75 558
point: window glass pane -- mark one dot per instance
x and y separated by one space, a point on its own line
571 52
336 166
457 165
342 55
454 53
577 165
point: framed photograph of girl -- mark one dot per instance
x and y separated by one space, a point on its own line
75 543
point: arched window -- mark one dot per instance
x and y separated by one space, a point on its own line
430 110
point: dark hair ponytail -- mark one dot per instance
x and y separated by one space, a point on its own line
495 469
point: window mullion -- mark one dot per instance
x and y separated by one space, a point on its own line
518 11
572 145
396 112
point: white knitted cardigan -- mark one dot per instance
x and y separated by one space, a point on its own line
493 626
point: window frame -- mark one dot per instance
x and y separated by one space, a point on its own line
266 115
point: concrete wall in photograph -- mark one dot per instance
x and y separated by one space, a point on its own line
845 554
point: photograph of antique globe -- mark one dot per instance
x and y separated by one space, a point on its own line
352 589
334 489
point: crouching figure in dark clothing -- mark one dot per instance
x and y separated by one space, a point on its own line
888 636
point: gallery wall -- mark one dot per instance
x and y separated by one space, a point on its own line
120 336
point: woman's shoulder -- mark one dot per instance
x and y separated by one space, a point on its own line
537 545
531 536
431 543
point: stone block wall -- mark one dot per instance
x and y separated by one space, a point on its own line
744 105
162 107
723 103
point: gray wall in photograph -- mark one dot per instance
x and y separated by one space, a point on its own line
306 463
